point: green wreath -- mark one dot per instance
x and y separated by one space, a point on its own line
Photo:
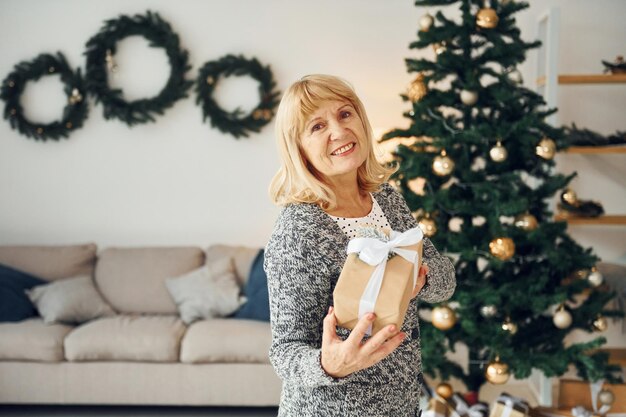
74 113
100 51
237 123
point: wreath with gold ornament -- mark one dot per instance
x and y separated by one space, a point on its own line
74 112
237 123
100 64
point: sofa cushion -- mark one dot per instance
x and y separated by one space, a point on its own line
51 262
14 304
126 338
132 280
226 340
72 300
32 340
207 292
242 257
257 306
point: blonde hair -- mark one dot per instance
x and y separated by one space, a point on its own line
296 180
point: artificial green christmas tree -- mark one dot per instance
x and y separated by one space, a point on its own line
476 168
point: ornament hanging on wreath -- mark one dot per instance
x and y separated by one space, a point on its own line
236 123
74 113
100 62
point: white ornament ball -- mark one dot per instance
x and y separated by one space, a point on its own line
488 311
562 319
478 221
498 153
454 224
606 397
426 22
469 97
595 278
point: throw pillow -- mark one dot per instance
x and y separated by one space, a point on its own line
14 304
258 305
207 292
72 300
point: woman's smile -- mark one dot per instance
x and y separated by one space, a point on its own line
344 150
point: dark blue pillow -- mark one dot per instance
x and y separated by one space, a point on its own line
14 303
258 305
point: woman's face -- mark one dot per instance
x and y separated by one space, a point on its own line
334 140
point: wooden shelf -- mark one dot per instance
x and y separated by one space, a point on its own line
586 79
617 149
611 219
617 356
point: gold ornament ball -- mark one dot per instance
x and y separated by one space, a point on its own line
469 97
487 18
581 273
595 278
502 248
606 397
257 114
428 226
498 153
210 80
444 317
426 22
439 48
600 324
417 90
569 196
526 222
68 125
509 326
562 319
444 390
443 165
497 372
546 148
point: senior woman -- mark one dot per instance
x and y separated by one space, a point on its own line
329 183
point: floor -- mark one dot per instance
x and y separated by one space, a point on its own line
116 411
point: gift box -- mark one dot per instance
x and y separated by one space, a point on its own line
455 406
508 406
371 281
438 407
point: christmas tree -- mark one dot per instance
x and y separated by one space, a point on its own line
476 168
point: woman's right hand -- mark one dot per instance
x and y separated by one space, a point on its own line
343 357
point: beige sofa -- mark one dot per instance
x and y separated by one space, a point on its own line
144 354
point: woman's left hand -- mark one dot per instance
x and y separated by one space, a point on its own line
421 280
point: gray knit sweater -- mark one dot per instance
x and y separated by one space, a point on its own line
303 260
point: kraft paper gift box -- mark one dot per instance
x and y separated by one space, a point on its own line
360 288
509 406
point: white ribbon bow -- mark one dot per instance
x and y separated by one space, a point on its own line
461 408
509 402
375 252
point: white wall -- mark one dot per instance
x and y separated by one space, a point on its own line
178 181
